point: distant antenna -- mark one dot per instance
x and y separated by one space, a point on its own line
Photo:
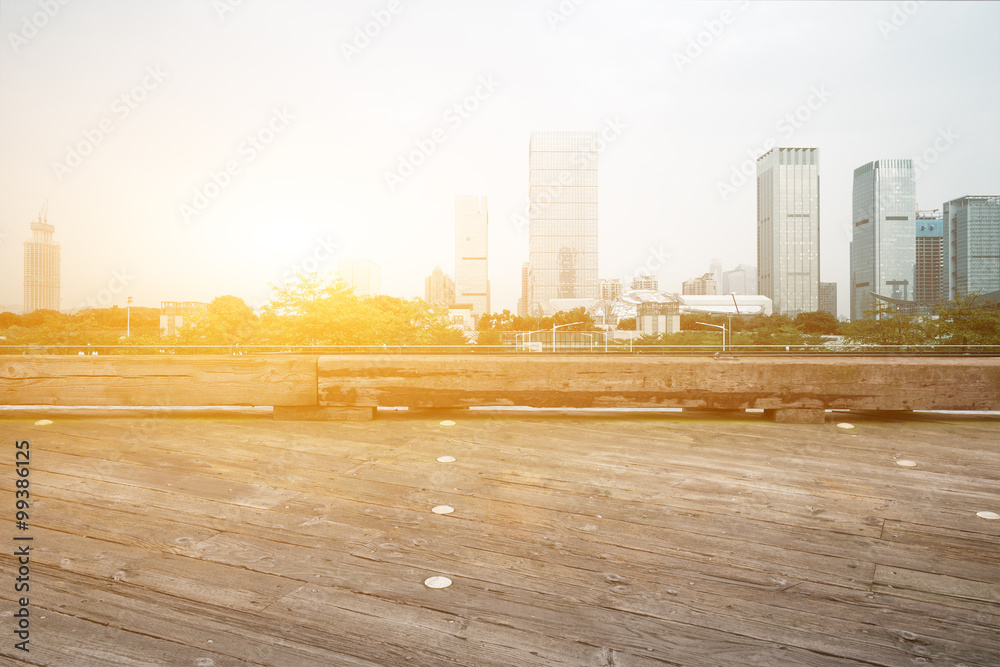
43 215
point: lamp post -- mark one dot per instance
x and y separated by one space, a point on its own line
128 319
560 326
718 326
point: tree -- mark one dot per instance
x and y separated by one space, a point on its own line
818 322
883 326
969 320
489 337
228 320
626 324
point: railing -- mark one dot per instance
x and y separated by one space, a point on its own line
616 349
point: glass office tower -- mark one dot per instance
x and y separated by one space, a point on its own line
562 196
883 244
788 229
971 245
472 283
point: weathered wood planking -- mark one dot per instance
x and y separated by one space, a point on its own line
575 540
159 380
646 381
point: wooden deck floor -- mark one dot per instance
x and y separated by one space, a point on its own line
215 539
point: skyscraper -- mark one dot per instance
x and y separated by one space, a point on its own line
562 212
611 289
929 272
788 229
363 275
715 267
972 245
741 280
883 244
522 302
439 288
41 266
472 284
828 298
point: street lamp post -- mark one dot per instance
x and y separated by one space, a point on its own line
560 326
718 326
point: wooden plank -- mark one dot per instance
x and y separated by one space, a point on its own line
158 380
319 413
602 381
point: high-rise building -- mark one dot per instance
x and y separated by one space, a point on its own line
704 284
439 288
788 229
971 245
41 266
929 270
715 268
363 275
741 280
883 245
828 298
472 284
644 281
522 303
611 289
562 211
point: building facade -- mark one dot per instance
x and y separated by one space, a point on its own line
439 288
788 229
522 302
741 280
363 275
644 281
175 314
883 244
928 271
472 284
562 212
41 267
828 298
611 289
971 245
704 284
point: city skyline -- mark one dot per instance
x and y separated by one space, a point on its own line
188 169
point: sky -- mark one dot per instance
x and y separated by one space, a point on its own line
189 149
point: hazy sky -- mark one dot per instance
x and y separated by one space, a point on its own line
124 113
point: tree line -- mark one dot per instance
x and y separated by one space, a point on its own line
319 310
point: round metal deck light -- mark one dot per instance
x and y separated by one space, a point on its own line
447 422
988 515
906 463
43 422
443 509
446 459
845 425
437 582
